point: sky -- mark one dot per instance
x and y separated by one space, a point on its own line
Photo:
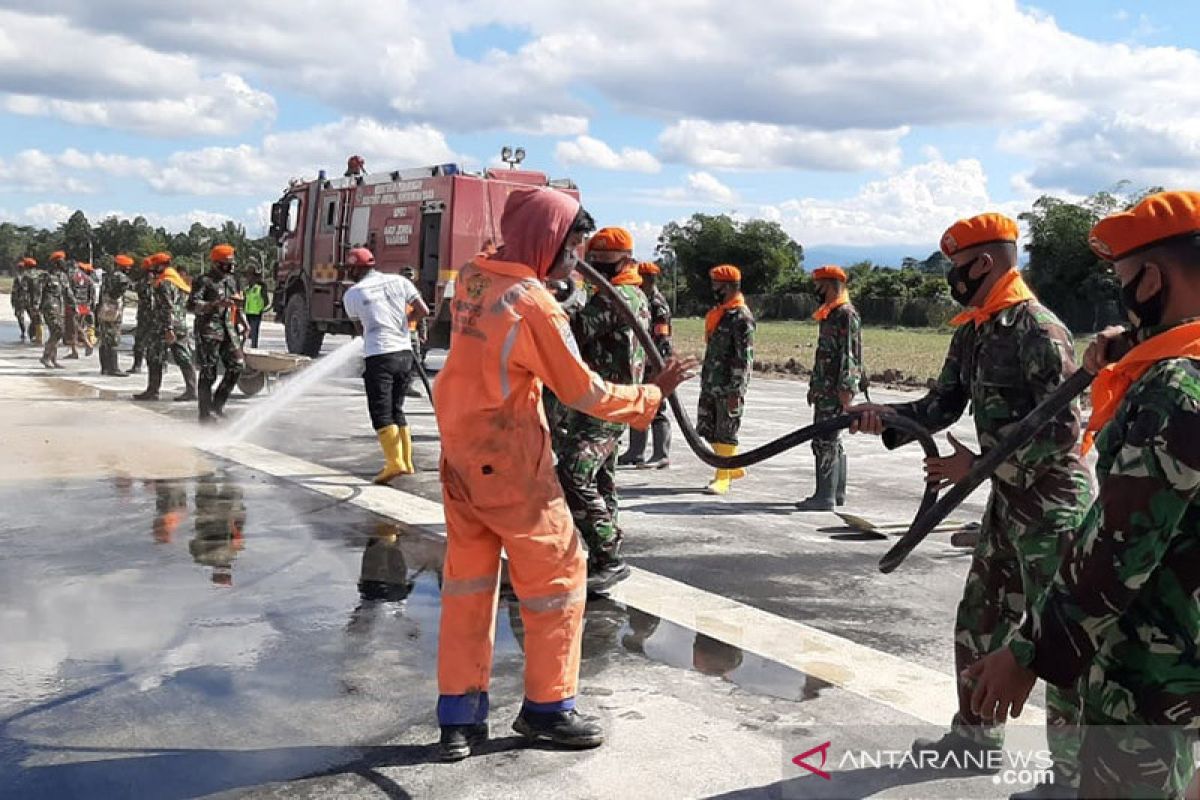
864 127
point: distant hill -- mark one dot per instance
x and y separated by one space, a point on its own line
885 255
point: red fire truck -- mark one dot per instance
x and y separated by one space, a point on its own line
433 219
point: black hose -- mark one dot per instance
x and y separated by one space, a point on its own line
770 449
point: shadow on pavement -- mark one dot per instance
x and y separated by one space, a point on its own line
866 782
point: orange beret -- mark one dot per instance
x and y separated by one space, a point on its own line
160 258
222 252
123 261
829 272
28 262
1162 216
146 263
85 266
58 255
983 229
648 268
610 240
726 273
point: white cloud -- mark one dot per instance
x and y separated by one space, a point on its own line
45 215
751 145
700 188
645 237
913 206
590 152
50 66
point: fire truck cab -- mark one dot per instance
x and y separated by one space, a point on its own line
432 219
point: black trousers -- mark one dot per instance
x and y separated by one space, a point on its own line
386 378
255 321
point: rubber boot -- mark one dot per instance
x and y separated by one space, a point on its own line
389 441
661 458
635 455
137 363
204 402
103 359
114 367
724 477
221 395
840 492
189 385
406 451
827 471
153 382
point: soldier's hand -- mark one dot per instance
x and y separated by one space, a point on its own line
872 418
1001 684
1108 347
675 372
169 337
846 398
946 470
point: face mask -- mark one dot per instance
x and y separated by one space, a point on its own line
1143 313
606 268
718 295
962 275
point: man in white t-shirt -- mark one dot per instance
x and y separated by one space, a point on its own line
380 306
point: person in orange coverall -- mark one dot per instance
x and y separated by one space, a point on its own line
499 487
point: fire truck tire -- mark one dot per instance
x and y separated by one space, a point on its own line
302 336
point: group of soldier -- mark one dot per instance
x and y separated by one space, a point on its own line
65 305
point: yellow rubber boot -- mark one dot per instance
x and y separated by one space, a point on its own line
728 450
389 441
406 451
720 484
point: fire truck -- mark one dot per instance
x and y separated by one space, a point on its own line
433 219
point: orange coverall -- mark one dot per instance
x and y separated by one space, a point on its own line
498 481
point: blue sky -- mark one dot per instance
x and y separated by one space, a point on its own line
863 127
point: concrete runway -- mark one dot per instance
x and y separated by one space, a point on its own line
183 616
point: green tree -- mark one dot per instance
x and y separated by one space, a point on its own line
76 237
761 249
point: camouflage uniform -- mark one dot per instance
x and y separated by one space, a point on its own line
32 278
143 333
169 309
54 293
218 340
1121 620
587 450
838 368
112 294
660 332
19 299
1004 369
725 376
220 521
79 318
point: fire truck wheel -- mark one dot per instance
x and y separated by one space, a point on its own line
302 336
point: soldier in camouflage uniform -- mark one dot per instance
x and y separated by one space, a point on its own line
1008 354
79 308
214 300
587 453
20 295
571 299
169 331
33 275
143 287
660 332
1121 619
836 377
111 314
728 362
54 294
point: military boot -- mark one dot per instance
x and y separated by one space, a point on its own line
606 568
561 728
661 457
840 493
114 365
221 395
137 363
827 475
635 455
153 383
204 401
189 385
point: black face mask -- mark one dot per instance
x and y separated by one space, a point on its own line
1143 313
606 268
962 275
718 295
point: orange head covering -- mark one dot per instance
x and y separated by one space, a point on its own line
829 272
148 262
611 240
982 229
726 273
58 255
1162 216
28 262
123 261
159 259
86 267
222 252
534 227
648 268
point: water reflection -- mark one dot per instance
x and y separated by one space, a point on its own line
219 524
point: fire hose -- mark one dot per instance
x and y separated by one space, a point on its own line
932 511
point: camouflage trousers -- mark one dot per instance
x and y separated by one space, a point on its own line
212 353
1012 566
158 351
141 338
54 321
110 334
718 419
827 449
1128 759
587 470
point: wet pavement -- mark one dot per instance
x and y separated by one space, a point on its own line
177 624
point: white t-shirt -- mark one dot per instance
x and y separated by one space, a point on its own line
381 303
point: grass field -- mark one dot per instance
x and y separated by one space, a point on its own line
903 356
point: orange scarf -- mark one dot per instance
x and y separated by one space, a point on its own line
1108 390
627 277
824 311
1007 292
171 276
713 318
